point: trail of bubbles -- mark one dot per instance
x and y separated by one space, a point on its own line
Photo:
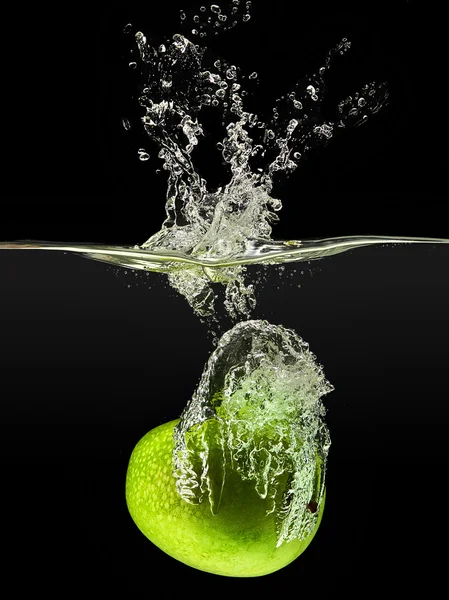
258 411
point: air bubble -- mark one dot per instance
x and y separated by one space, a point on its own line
182 15
361 102
127 28
297 155
253 75
202 8
246 18
194 31
162 48
196 19
297 104
133 65
126 124
215 9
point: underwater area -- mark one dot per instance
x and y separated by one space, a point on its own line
325 269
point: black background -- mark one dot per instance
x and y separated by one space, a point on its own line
88 364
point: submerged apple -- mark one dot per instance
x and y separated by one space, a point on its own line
240 540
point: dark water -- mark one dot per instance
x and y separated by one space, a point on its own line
91 359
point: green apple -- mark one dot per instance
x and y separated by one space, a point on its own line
238 541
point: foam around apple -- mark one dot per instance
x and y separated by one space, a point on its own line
236 485
239 541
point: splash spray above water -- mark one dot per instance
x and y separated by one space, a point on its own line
180 84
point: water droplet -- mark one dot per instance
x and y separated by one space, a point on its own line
246 18
297 155
215 9
297 104
182 15
322 70
202 34
202 8
194 31
220 93
215 102
126 124
162 48
133 65
311 90
217 64
127 28
196 19
314 97
231 73
236 86
143 154
222 17
253 75
362 102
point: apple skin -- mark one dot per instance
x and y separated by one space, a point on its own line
240 541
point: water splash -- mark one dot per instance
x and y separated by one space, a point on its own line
216 232
180 83
258 411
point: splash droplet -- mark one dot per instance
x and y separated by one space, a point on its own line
143 154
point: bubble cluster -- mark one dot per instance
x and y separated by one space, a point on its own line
258 404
